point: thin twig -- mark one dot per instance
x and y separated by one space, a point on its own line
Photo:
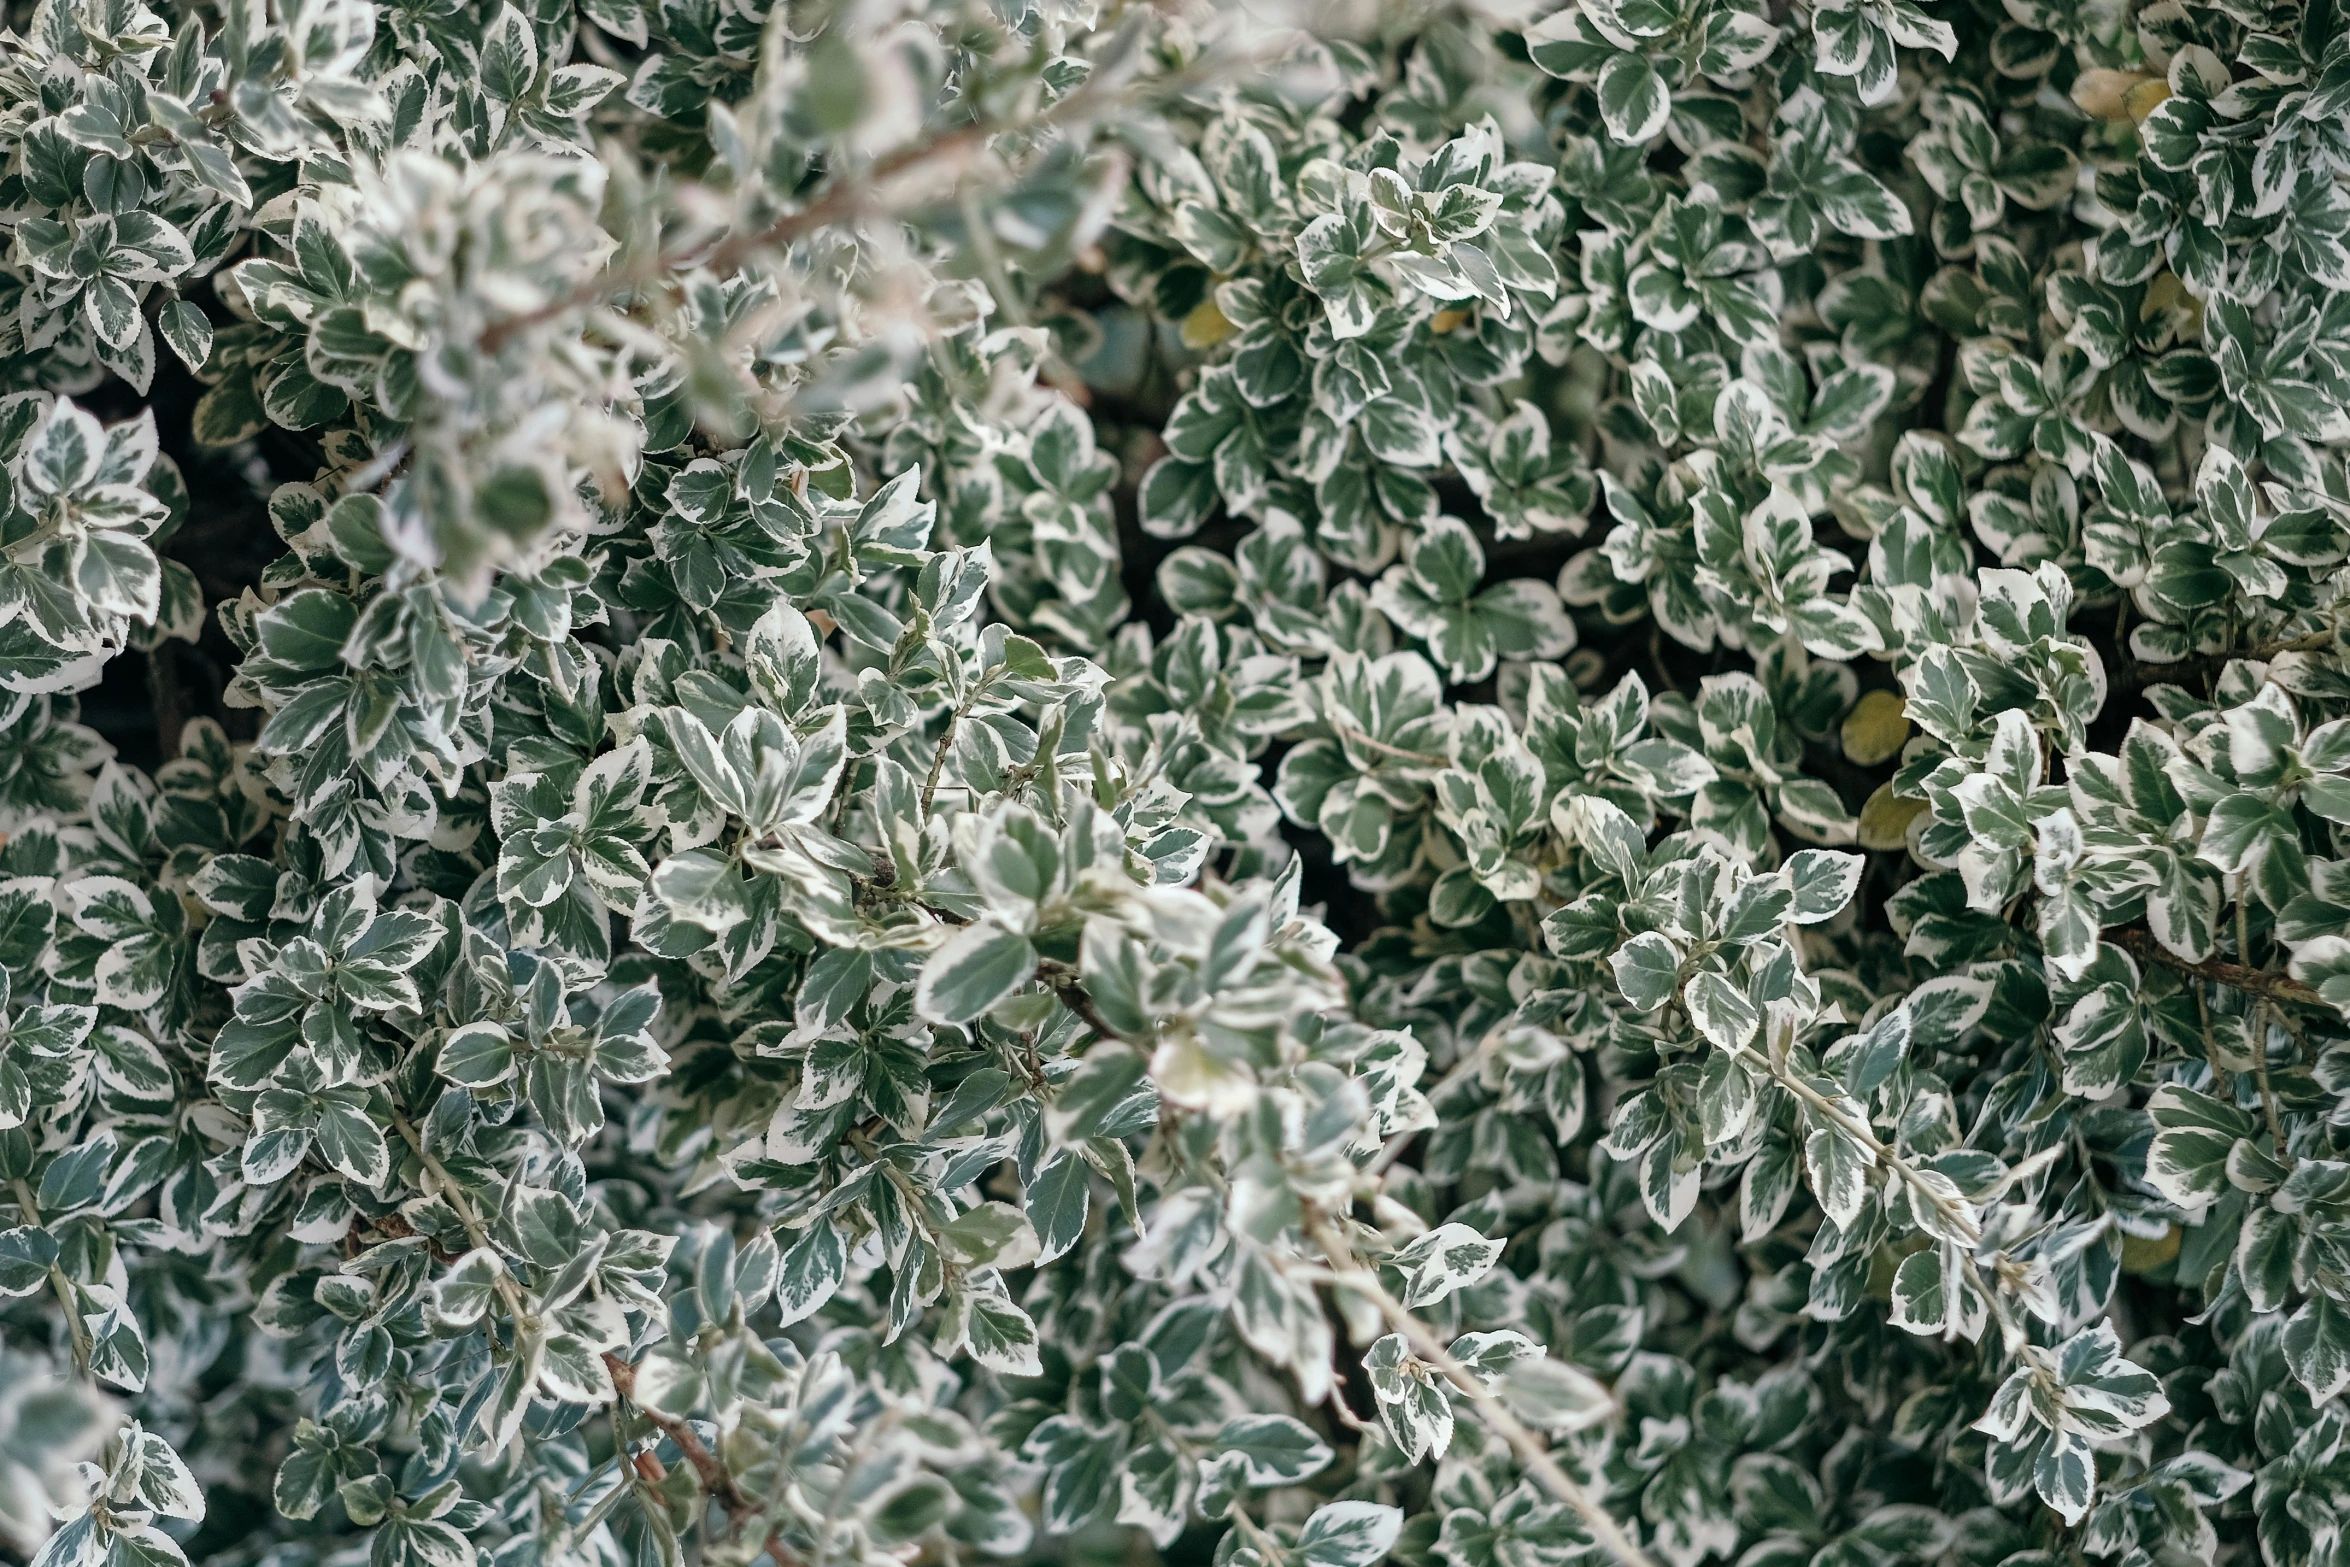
1393 1148
1532 1451
938 762
850 195
2251 981
438 1176
717 1484
2268 1098
1064 982
2220 1076
2207 664
77 1331
1955 1211
846 198
715 1480
1425 759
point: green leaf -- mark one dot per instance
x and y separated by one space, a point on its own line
1553 1396
509 57
26 1253
1838 1164
1633 99
1269 1450
1823 883
2317 1347
1057 1204
350 1141
1000 1335
1349 1534
478 1055
1647 971
1448 1258
307 631
982 965
1857 204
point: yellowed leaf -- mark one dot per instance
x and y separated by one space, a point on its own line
1885 819
1206 326
2144 1256
2145 98
1876 728
2101 93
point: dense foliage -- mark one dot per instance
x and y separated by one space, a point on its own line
910 780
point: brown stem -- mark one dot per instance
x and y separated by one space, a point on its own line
2206 664
946 743
2266 983
842 201
1064 983
1474 1061
1348 731
2268 1098
1531 1449
851 194
438 1177
716 1482
1956 1212
167 697
77 1330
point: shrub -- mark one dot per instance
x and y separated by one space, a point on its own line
880 783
